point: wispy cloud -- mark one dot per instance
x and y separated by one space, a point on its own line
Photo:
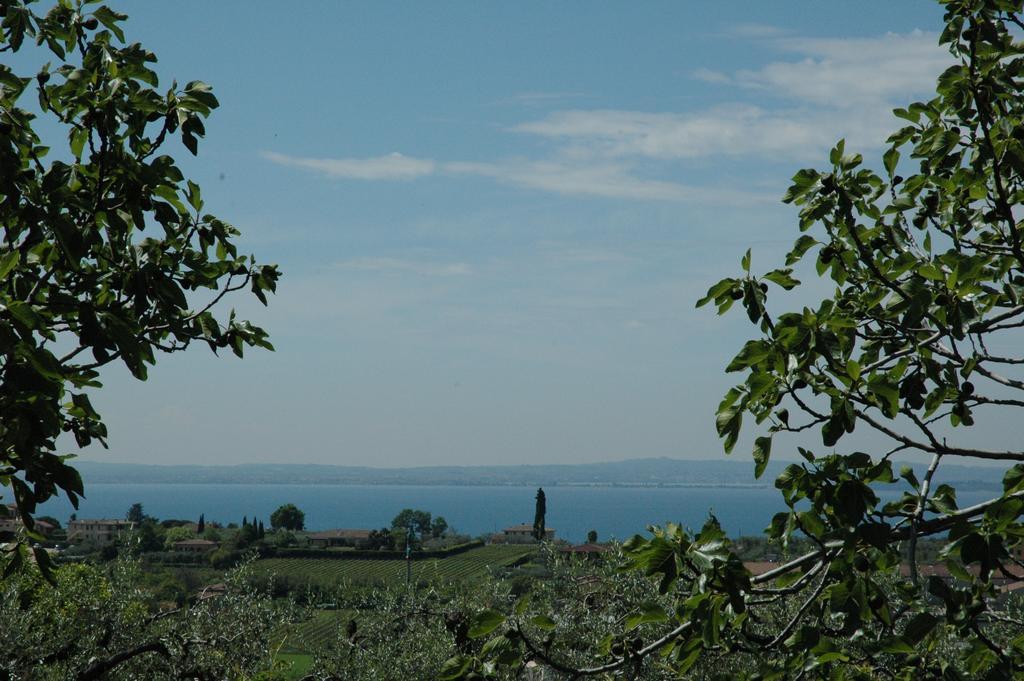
731 129
565 176
589 178
537 98
846 72
726 130
393 166
832 88
418 267
711 76
571 254
756 31
836 88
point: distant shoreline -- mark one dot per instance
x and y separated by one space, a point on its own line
395 483
650 473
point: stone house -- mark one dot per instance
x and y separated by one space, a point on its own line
99 531
340 537
10 522
195 545
523 534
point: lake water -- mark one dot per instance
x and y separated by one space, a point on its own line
618 512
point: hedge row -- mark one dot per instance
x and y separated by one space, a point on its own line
366 554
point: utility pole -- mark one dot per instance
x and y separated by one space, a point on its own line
408 556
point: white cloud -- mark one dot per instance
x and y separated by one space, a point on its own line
732 129
569 177
537 98
562 254
833 88
417 267
852 72
756 31
603 179
837 88
393 166
711 76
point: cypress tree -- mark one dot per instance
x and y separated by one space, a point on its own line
201 525
538 516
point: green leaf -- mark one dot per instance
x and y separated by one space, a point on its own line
485 622
77 139
782 278
803 182
850 161
721 288
896 645
890 158
762 453
190 142
43 562
455 668
110 19
836 155
1013 480
728 423
656 556
931 271
753 353
802 245
833 429
919 626
15 561
494 647
25 314
195 196
542 622
888 395
8 261
944 499
649 613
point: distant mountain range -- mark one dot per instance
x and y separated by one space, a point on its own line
631 472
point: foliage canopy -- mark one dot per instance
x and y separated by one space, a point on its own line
919 338
288 517
106 252
411 519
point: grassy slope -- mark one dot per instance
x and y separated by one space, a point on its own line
327 572
325 626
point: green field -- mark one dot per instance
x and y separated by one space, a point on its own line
295 665
328 572
318 632
299 641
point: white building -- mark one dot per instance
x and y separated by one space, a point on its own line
10 521
97 531
522 534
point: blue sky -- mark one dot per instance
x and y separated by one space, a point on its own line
494 219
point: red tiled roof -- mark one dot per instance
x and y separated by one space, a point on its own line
195 542
924 569
212 591
758 567
525 528
584 548
341 534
